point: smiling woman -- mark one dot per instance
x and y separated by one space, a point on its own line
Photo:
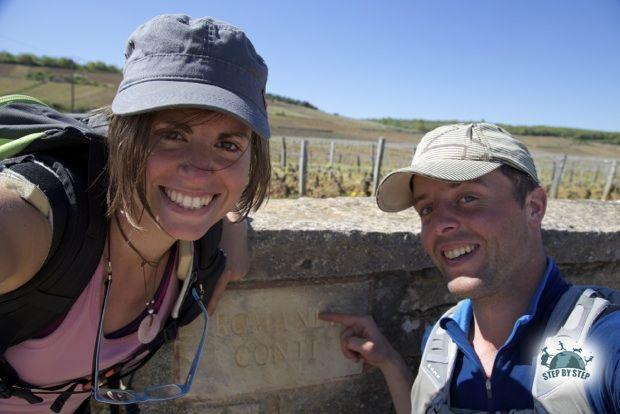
195 154
180 130
186 159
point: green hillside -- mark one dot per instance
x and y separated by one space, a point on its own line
79 88
55 86
91 88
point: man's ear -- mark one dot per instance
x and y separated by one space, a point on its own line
536 205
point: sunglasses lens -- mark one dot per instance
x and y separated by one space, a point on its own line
165 391
115 395
154 393
128 396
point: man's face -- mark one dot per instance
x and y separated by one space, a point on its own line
476 233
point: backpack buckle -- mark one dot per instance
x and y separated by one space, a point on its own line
6 391
170 332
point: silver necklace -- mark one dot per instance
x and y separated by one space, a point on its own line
150 325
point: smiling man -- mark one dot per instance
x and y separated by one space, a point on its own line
523 339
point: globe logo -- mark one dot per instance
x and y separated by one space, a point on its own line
565 363
567 359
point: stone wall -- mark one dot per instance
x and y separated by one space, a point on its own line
268 353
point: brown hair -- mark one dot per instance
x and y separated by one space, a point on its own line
129 146
522 183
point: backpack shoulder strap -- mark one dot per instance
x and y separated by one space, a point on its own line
60 167
28 191
431 387
567 330
208 264
576 311
21 176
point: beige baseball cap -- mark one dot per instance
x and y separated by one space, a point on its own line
455 153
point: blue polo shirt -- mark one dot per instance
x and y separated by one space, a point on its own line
513 370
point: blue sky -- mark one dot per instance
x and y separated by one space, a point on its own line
526 62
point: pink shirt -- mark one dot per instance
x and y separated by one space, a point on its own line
67 353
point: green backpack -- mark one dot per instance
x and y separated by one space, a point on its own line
10 147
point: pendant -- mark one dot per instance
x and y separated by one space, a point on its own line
149 328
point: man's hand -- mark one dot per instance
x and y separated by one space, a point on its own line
234 244
362 340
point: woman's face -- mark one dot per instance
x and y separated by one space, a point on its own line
197 170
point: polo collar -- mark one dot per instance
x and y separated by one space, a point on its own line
462 316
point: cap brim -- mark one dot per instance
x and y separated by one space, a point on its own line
158 95
395 193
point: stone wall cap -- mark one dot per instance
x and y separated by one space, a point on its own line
309 238
346 214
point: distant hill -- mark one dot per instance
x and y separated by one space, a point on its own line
422 125
93 85
95 88
91 89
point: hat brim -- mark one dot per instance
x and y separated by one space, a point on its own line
395 193
157 95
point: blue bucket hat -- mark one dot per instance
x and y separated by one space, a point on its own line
175 61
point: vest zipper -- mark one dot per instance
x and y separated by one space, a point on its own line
488 386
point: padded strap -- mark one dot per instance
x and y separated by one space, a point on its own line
561 310
48 193
78 208
439 354
570 322
431 389
32 194
588 307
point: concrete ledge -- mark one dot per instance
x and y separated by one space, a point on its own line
343 237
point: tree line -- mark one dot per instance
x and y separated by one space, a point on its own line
421 125
286 99
30 59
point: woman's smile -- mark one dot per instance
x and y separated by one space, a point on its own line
188 201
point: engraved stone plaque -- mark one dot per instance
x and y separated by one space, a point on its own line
271 338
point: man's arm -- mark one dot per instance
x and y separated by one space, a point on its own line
363 341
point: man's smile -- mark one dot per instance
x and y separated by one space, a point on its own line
459 251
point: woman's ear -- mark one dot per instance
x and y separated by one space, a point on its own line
536 206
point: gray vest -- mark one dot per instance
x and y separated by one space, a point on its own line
571 318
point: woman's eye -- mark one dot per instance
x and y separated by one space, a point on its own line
172 136
169 135
229 146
